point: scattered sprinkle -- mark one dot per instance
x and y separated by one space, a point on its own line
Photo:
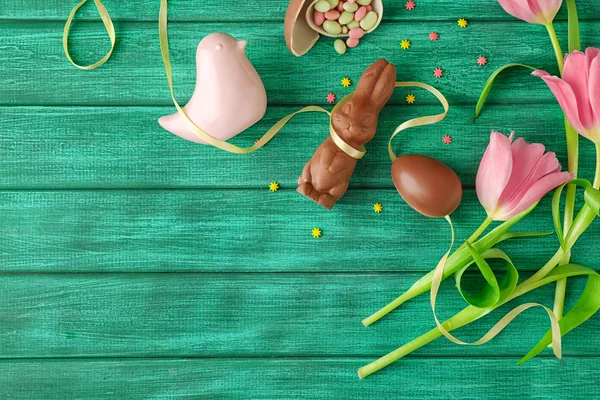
316 232
434 36
482 60
331 98
447 139
377 207
438 72
405 44
346 81
463 23
410 99
273 186
410 5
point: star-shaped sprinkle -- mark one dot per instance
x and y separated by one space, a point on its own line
410 99
446 139
331 98
438 72
482 60
463 23
410 5
405 44
433 36
273 186
377 207
346 81
317 232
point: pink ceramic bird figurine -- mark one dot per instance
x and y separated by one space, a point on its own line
229 96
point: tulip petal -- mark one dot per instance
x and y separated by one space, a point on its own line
594 92
565 97
518 9
576 74
537 191
494 171
545 10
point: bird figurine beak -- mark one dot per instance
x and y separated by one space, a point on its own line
242 44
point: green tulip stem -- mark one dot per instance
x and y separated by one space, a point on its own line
484 225
556 44
597 177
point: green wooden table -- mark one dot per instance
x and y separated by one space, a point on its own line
139 265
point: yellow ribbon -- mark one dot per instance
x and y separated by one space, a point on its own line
110 29
436 281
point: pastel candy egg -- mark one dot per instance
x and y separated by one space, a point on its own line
346 18
360 13
340 46
351 1
369 20
350 6
322 6
333 3
319 18
344 29
369 8
363 2
332 27
352 42
356 33
332 15
340 6
353 24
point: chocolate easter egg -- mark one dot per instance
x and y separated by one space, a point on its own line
299 36
427 185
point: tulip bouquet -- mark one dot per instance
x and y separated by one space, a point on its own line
513 177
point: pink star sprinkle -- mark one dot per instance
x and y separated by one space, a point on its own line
446 139
331 98
482 60
438 72
433 36
410 5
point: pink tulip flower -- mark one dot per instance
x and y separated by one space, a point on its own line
578 92
540 12
513 176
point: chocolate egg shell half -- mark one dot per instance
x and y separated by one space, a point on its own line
299 36
427 185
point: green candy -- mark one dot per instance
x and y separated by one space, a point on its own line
363 2
332 27
353 24
345 29
350 6
369 21
333 3
340 46
346 18
322 6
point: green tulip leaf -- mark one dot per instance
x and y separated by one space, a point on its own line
587 305
592 199
492 293
490 82
518 235
556 217
574 34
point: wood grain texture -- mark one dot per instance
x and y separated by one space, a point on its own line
242 230
257 10
124 147
35 71
248 315
453 378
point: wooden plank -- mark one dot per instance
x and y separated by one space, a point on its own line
242 230
220 10
124 147
460 378
36 72
248 315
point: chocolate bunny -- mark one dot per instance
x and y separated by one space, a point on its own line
326 176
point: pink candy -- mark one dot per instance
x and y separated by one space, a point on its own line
369 8
332 15
351 1
352 42
340 6
360 13
356 33
319 18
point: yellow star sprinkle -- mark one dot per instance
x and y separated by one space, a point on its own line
405 44
410 99
377 207
273 186
316 233
463 23
346 81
